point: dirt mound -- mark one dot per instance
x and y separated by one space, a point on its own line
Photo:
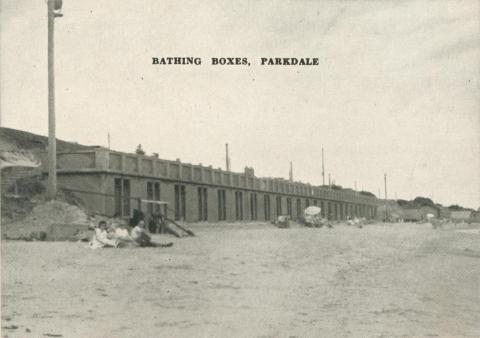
42 217
57 212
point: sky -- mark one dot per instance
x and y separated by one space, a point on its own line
396 90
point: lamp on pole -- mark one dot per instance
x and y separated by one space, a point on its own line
54 8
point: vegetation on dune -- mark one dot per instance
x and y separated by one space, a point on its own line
420 201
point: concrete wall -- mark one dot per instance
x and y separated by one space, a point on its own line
76 160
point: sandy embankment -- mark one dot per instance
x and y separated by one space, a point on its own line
403 280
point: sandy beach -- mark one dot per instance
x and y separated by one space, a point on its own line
251 280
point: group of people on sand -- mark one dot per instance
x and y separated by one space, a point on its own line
118 236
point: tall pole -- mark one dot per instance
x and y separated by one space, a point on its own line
386 211
52 146
290 176
323 169
227 158
385 179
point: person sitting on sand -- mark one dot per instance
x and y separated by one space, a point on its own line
139 234
141 237
101 239
120 233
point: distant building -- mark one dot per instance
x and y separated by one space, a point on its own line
113 183
444 212
461 216
417 214
475 218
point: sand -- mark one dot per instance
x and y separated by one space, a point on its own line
249 281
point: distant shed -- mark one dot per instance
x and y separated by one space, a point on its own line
461 216
416 214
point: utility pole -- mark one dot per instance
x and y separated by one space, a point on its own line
386 212
290 176
385 179
227 158
323 168
54 7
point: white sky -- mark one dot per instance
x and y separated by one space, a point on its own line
397 89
